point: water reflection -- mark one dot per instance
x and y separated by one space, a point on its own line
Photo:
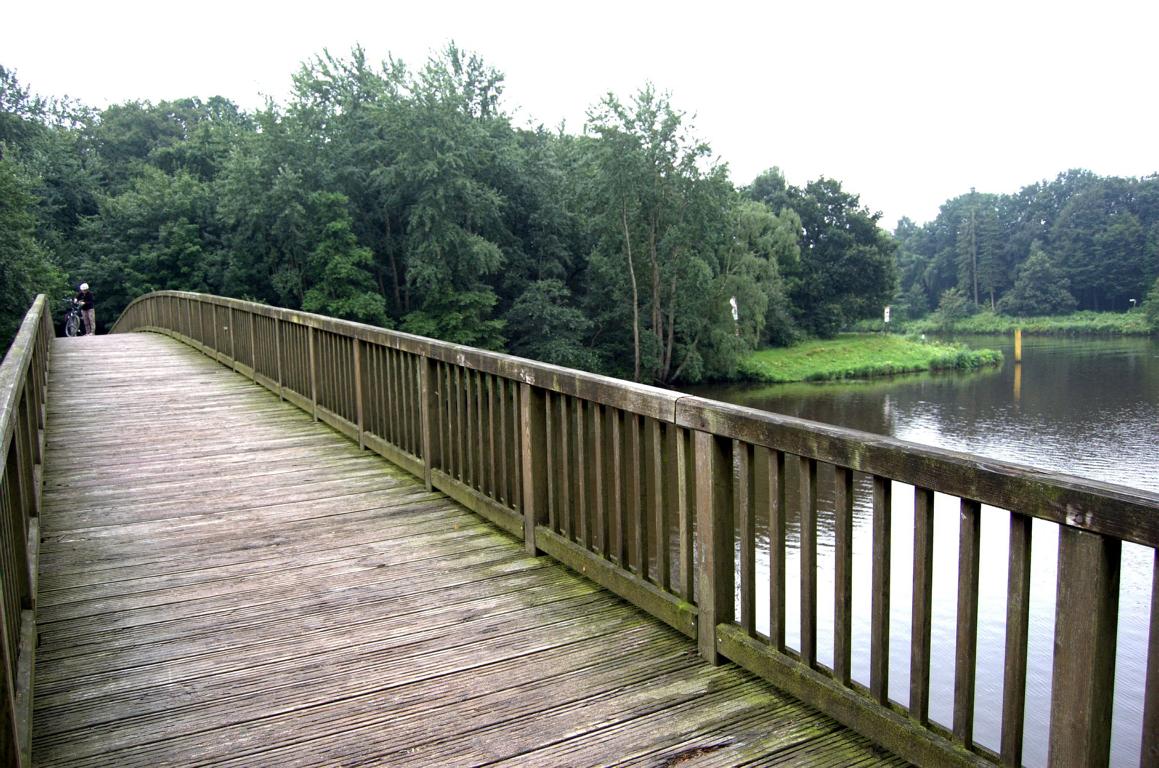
1088 407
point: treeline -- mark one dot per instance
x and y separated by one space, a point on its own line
409 199
1080 242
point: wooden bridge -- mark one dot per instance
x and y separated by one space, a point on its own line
196 572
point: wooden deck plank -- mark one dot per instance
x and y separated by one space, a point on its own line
226 582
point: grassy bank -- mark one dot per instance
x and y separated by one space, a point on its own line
1092 323
859 356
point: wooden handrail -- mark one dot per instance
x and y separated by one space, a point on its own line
655 495
23 392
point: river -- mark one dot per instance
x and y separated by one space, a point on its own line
1084 406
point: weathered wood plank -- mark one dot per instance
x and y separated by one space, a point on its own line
286 599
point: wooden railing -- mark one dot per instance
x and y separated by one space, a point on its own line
658 496
23 388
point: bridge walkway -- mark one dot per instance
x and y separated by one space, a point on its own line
225 582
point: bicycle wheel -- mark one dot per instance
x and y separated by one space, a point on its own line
72 325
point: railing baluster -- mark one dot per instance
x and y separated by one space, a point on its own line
1149 752
635 500
843 576
777 505
492 488
534 453
923 600
599 541
313 374
808 485
879 610
659 508
1085 627
460 428
966 646
743 511
563 477
679 500
480 419
1017 634
550 466
619 534
429 403
506 443
581 486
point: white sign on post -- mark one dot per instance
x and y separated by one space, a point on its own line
887 314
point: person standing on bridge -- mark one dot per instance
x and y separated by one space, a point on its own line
88 307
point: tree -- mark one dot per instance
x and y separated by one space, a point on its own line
1040 288
344 286
659 208
847 270
25 267
952 306
544 326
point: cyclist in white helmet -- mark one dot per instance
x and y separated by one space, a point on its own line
88 309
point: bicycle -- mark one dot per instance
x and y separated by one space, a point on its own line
72 320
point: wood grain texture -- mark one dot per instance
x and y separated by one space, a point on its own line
225 582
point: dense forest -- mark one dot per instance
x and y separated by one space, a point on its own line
410 199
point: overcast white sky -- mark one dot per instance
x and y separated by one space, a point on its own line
905 103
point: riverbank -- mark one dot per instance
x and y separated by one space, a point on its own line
860 356
990 323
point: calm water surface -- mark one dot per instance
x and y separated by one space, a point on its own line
1083 406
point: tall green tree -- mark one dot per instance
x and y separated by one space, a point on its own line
26 269
1040 289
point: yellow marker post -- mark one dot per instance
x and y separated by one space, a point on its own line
1018 345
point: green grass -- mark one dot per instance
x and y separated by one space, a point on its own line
860 356
1092 323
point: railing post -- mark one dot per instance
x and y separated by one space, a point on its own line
533 433
1086 622
428 406
714 531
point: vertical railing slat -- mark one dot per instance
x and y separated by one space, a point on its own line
635 499
966 646
660 506
686 567
563 476
922 605
743 512
843 575
581 488
879 608
1017 635
776 493
807 478
599 539
1149 752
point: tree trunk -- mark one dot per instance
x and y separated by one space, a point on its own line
670 342
635 293
657 308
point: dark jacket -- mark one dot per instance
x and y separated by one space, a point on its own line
86 299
